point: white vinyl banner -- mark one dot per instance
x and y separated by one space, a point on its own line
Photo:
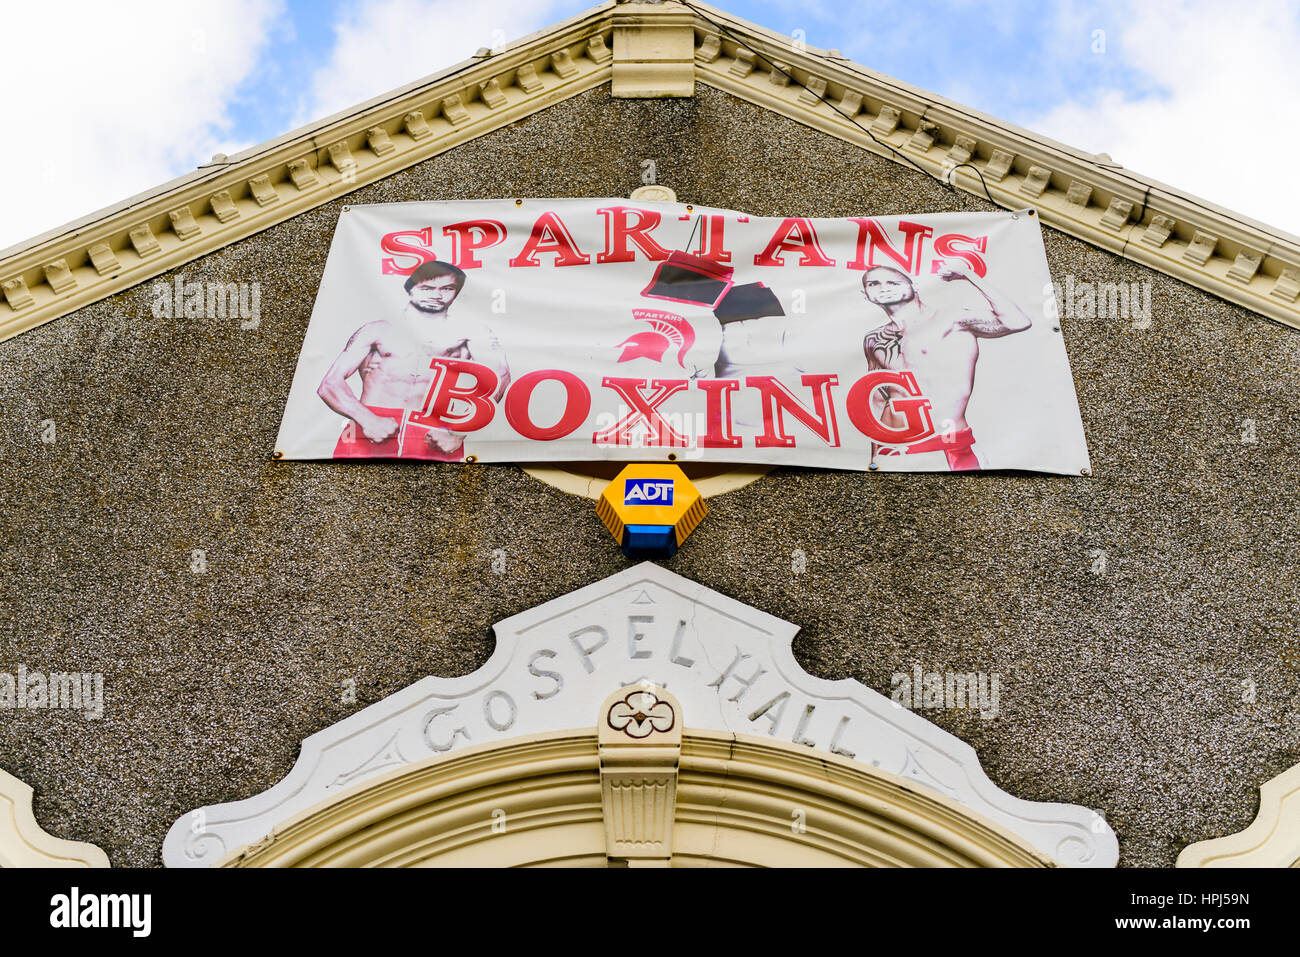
575 329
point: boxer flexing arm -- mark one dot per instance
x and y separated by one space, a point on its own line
338 395
1003 316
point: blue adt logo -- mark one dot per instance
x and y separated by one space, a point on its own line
648 492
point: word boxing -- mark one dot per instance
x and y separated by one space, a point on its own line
460 398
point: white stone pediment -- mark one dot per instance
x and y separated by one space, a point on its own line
730 666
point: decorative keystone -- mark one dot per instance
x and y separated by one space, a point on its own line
654 50
639 739
639 713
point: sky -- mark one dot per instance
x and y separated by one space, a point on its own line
117 98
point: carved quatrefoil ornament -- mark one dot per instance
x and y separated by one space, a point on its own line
641 714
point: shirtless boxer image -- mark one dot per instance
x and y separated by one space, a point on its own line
940 347
393 357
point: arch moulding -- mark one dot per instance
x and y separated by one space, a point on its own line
638 790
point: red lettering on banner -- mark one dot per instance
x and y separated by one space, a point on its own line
618 231
872 238
712 239
946 246
777 399
464 241
916 410
644 408
794 235
577 403
396 244
550 235
446 389
717 413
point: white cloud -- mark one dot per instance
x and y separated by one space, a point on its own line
1224 128
117 101
386 44
131 93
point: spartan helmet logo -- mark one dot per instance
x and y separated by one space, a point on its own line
666 329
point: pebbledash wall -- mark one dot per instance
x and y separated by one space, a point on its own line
1142 620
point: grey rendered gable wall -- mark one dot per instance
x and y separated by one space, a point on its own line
1121 691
